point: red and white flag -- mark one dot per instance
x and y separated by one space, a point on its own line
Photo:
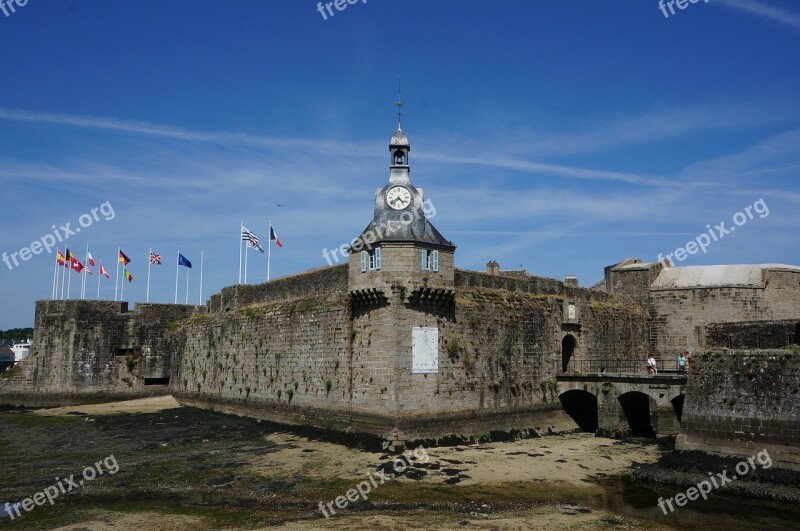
103 271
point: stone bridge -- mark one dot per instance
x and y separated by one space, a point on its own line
618 404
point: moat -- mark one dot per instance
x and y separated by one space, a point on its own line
185 468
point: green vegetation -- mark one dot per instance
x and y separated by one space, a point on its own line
131 361
328 385
10 373
16 334
452 348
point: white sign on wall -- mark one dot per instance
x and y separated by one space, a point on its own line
425 350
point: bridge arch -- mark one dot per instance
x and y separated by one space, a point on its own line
568 346
582 407
636 406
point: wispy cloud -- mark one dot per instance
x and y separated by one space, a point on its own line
764 10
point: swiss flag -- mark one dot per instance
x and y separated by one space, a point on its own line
76 266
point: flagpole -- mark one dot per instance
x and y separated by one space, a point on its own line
122 291
64 272
98 281
245 264
177 265
55 277
85 263
149 263
241 230
200 302
116 279
69 279
187 286
269 247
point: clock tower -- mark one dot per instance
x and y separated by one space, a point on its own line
402 289
401 247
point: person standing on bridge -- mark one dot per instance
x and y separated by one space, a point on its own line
681 363
652 366
688 359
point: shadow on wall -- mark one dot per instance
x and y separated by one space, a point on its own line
582 407
568 345
636 407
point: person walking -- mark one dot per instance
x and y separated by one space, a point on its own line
652 366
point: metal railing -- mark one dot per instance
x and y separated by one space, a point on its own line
621 367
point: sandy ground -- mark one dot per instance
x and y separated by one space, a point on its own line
142 405
556 467
575 459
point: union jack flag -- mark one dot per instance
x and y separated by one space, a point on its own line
154 258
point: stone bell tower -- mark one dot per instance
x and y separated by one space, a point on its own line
401 285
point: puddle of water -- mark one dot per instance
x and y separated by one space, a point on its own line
719 511
4 513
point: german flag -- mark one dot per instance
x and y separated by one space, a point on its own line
61 259
124 259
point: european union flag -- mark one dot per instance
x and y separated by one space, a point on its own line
182 261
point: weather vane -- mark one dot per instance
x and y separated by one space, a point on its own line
399 105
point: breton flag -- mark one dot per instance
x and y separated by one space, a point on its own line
251 239
103 271
124 259
89 258
182 261
274 237
154 258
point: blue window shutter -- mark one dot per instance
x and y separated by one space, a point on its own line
377 258
436 261
363 261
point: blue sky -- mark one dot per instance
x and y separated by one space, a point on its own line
560 136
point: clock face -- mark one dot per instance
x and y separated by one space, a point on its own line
398 197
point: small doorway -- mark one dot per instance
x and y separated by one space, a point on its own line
568 345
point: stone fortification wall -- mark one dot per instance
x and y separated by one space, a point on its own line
313 360
680 316
305 284
753 335
739 402
87 351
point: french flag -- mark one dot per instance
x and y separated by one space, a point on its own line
274 237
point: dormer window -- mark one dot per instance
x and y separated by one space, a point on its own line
430 260
371 260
